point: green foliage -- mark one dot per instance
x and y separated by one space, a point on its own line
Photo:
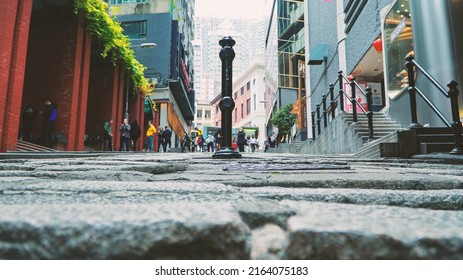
110 33
284 119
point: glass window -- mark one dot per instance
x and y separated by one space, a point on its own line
135 29
242 90
398 44
207 114
248 86
242 110
199 113
248 106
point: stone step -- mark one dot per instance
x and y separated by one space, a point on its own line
23 146
432 199
436 147
334 231
435 138
121 231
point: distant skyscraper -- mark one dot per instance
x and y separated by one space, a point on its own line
249 37
250 42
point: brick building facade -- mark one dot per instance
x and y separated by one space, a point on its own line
46 53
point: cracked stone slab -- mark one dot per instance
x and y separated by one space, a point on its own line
258 213
259 167
336 231
145 231
115 192
432 199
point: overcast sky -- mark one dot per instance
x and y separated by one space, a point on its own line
230 8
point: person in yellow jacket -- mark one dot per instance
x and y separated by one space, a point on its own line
150 132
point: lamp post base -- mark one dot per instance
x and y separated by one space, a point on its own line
226 153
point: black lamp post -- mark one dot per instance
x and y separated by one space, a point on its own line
227 54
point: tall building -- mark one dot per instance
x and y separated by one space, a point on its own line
170 65
284 59
249 37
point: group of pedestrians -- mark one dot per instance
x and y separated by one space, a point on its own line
244 143
49 115
200 143
164 139
130 136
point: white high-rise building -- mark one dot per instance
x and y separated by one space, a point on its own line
250 42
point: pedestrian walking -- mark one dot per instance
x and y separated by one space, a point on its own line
186 143
241 141
253 143
167 135
273 140
135 133
28 117
125 136
49 119
218 139
108 135
210 142
150 132
161 139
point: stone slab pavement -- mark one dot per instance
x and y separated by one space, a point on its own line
263 206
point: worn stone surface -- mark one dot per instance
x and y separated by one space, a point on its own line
145 231
268 242
258 213
334 231
177 206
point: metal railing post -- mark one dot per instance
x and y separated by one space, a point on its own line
332 103
318 119
227 104
354 98
456 125
325 123
412 91
341 90
370 113
313 125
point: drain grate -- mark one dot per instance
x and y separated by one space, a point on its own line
250 167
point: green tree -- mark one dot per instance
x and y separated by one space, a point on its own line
284 120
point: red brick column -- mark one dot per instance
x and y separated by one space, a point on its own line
14 32
118 105
80 90
136 112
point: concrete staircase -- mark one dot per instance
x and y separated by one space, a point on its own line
434 139
406 143
24 146
345 135
382 126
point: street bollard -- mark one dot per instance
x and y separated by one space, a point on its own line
227 54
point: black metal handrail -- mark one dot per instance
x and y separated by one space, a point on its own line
331 109
452 94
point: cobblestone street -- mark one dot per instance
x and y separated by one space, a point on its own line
263 206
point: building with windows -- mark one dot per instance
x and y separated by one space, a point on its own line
248 94
284 61
170 65
369 41
248 34
48 53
